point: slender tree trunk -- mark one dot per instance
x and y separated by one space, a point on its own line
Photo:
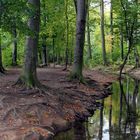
44 46
67 34
80 39
88 33
53 43
121 45
29 77
1 65
129 34
14 53
44 51
71 57
103 33
111 28
58 57
126 57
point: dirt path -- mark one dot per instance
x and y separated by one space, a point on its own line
34 115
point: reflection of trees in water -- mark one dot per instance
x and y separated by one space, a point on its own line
101 121
110 118
125 104
128 129
79 131
122 106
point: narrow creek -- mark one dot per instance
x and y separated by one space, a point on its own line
118 118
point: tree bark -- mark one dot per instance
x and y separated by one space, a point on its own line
14 53
80 38
44 51
121 45
53 43
67 34
103 33
88 34
1 65
111 27
44 37
129 34
136 55
29 77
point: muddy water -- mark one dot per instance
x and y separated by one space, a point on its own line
117 119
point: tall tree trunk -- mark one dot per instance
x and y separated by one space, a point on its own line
67 34
126 57
111 28
103 32
14 53
88 33
1 65
129 34
136 53
29 77
44 51
121 45
44 37
80 39
53 43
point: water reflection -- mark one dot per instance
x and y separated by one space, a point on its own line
101 121
118 118
79 131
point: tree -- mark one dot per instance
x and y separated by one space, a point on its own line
44 36
10 22
14 53
80 38
67 34
111 26
1 65
102 32
29 76
88 33
130 12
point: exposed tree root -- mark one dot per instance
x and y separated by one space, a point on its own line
2 71
77 78
40 107
23 83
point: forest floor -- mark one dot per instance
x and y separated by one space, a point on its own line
34 115
135 73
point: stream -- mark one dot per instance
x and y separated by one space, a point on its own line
117 119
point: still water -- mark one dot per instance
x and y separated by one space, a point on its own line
118 118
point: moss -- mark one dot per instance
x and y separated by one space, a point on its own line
28 81
76 76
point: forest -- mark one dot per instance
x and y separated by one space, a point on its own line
68 69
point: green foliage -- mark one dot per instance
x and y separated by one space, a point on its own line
53 25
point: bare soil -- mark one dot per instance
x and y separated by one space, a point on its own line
35 115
